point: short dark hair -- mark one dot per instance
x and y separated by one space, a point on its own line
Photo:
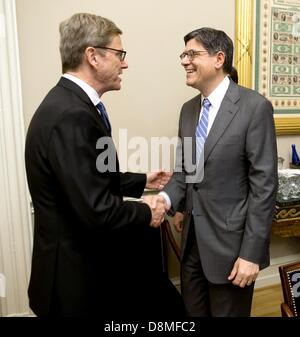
234 75
213 41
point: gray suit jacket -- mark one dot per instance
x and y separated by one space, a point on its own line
233 206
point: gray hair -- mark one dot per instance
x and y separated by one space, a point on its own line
81 31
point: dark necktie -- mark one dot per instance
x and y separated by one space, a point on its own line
201 131
100 106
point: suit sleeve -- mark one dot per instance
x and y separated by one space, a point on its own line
176 187
261 152
95 197
132 184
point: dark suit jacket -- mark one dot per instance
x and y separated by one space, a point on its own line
233 206
82 226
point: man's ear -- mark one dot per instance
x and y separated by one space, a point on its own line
91 56
220 59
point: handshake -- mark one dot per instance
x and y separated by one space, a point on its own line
157 204
158 208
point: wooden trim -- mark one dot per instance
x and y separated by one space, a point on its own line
287 125
168 237
243 59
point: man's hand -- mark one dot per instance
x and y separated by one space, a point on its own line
178 221
157 180
157 205
243 273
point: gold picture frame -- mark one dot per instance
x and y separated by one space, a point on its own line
244 42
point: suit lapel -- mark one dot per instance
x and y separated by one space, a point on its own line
227 111
190 123
66 83
195 114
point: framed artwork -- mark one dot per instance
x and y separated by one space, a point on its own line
267 56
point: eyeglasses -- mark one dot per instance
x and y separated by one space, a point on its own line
191 54
120 53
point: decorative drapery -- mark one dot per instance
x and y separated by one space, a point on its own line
15 219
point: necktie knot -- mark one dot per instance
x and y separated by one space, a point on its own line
100 106
206 103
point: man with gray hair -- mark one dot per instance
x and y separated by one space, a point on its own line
89 244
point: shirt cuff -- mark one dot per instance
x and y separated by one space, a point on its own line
167 198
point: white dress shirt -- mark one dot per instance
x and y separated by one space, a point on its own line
215 99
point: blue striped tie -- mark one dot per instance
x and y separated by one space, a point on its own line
201 131
100 106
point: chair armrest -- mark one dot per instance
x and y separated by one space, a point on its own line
286 311
175 247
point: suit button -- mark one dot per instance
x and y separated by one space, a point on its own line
195 188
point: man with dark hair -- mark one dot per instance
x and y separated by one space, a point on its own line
229 209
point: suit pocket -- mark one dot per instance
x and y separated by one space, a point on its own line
236 224
229 140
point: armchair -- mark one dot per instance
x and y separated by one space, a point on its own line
168 240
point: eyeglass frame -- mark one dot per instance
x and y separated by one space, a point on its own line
191 54
121 53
